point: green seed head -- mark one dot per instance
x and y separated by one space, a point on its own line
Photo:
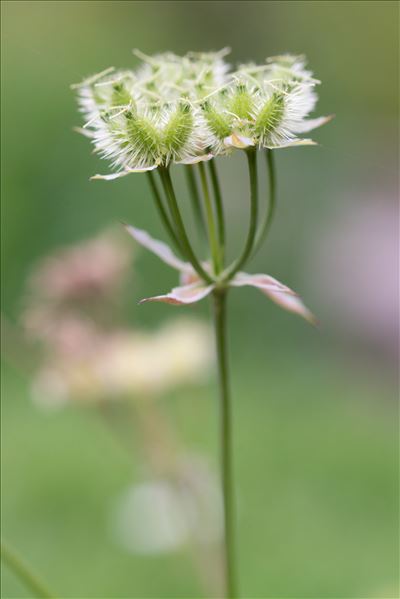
270 115
178 129
218 123
143 136
241 103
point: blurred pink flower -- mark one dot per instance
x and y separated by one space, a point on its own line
91 269
74 291
84 358
360 249
64 333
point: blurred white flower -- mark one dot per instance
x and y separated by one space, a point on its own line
163 514
152 363
121 363
149 518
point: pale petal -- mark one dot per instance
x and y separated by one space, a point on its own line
262 280
189 276
113 176
143 169
277 292
196 159
159 248
310 124
293 142
238 141
180 296
109 177
85 132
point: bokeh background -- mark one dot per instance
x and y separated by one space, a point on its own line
316 427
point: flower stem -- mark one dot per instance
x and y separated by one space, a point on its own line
163 213
195 197
180 227
262 232
230 272
24 573
218 206
219 296
212 234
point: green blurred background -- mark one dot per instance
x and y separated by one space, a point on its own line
316 429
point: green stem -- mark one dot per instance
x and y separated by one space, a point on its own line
262 232
195 196
219 296
218 206
163 213
24 572
212 233
252 164
180 227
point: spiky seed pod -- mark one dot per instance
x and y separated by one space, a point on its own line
269 116
218 122
177 132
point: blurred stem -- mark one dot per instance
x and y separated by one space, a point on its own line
230 272
219 207
212 233
24 572
180 227
219 296
163 213
263 231
195 197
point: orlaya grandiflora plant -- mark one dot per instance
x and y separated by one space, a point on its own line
188 111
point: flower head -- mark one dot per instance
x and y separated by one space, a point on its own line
182 109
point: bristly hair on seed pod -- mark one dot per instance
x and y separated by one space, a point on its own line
172 77
283 94
108 91
146 136
228 116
